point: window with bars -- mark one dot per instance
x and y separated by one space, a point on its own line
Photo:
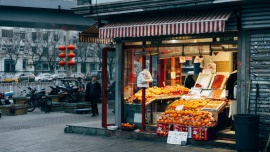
45 66
22 36
6 47
34 49
21 48
55 37
34 36
45 50
45 36
7 33
24 64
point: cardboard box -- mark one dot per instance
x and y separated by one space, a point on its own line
203 133
162 129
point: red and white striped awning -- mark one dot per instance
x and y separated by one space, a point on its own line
91 35
173 24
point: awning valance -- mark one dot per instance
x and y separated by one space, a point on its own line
91 35
172 24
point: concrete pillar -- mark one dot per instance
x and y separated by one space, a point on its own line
118 84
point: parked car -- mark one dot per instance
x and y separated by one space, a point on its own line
97 73
58 75
77 75
26 77
87 77
9 78
44 77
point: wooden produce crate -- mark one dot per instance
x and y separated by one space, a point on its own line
81 97
19 100
55 98
20 109
57 106
81 105
69 107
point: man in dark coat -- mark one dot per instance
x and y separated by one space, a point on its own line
92 94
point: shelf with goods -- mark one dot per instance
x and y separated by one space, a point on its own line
200 115
158 93
154 96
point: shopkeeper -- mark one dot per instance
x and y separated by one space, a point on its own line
231 91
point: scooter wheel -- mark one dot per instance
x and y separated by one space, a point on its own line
30 106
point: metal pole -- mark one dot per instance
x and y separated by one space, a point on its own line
68 70
143 97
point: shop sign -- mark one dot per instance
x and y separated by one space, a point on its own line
222 66
224 39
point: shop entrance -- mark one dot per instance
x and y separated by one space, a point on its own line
189 71
108 87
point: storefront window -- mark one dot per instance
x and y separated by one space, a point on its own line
175 66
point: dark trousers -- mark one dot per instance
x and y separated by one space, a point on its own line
94 106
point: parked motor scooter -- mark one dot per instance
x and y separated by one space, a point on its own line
68 94
7 99
38 100
54 91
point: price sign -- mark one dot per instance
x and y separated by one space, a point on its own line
179 107
137 117
177 138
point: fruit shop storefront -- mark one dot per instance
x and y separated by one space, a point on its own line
176 67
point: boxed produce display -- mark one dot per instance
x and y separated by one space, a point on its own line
162 129
203 80
188 118
190 115
205 93
218 94
218 82
203 133
127 127
154 93
180 128
215 105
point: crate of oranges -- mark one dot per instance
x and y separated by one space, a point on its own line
127 127
194 118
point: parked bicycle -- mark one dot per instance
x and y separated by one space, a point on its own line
38 100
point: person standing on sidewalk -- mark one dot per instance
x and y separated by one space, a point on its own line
92 94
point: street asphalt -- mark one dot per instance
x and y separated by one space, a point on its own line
44 132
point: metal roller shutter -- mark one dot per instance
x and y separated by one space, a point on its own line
260 75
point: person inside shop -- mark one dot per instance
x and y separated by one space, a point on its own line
211 66
231 95
93 94
197 63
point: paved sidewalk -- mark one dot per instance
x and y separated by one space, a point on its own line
53 139
40 132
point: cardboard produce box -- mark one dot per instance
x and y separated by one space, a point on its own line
204 133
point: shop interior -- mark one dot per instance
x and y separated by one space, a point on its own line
189 77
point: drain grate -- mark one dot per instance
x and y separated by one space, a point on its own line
18 127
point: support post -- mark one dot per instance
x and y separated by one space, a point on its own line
118 84
104 88
143 98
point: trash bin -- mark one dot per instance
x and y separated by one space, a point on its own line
247 132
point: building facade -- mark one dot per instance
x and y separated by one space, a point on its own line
36 51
